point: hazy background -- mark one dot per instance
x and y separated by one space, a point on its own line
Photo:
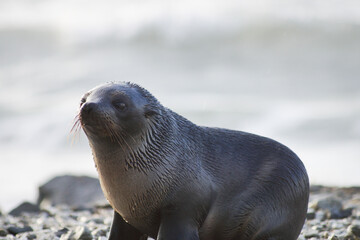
286 69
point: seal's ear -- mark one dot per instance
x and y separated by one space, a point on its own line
149 111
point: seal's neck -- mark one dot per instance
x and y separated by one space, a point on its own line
151 148
140 152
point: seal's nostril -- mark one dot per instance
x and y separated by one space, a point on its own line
87 108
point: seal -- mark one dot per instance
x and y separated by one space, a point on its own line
170 179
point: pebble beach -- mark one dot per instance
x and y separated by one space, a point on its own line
333 213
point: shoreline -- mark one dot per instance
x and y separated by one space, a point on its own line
333 213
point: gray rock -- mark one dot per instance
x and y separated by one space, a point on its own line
354 229
82 233
99 233
96 220
320 215
311 233
3 232
61 232
350 237
333 208
310 214
45 235
67 236
328 203
25 207
31 236
72 190
339 214
333 237
17 230
102 238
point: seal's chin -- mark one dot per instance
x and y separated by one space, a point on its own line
92 120
98 127
93 129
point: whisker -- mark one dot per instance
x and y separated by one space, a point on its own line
75 130
123 140
130 137
76 121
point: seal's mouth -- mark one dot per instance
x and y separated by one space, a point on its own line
91 121
96 124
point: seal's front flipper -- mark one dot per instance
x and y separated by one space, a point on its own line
174 227
122 230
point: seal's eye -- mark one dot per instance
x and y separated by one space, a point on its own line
83 100
120 106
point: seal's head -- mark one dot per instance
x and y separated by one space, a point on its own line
116 112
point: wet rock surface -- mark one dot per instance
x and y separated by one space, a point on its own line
334 213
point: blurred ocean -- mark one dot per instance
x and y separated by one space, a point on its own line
286 69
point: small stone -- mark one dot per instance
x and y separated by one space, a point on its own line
350 236
311 233
310 214
324 235
333 237
31 237
3 232
17 230
99 233
61 232
25 207
320 215
339 214
354 229
83 208
97 220
67 236
82 233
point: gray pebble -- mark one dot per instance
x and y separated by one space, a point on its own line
311 233
3 232
31 236
17 230
320 215
99 233
67 236
82 233
333 237
97 220
310 214
101 238
354 229
61 232
339 214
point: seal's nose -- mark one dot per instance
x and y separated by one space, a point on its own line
88 107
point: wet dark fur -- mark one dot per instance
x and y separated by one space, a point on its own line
168 178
